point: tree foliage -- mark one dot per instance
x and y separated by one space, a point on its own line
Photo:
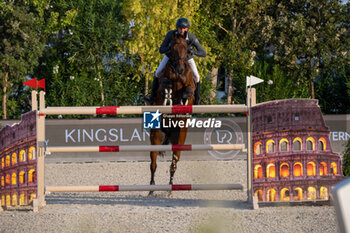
83 64
346 160
232 23
20 49
307 38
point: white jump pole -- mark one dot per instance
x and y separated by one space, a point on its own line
176 109
142 148
128 188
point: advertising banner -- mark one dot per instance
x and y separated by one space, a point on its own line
131 131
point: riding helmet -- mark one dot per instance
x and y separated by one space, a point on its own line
182 23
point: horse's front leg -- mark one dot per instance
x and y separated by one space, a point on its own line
176 154
153 168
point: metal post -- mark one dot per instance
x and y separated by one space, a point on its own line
34 101
40 145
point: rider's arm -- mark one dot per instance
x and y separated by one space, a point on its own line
165 46
199 51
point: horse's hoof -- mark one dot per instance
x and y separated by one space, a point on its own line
169 194
151 194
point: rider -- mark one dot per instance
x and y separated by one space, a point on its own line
182 26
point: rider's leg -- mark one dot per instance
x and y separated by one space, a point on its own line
161 66
155 85
196 80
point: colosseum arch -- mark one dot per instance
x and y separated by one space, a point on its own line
311 193
297 144
31 154
270 170
311 169
323 169
310 144
270 146
285 195
14 199
284 170
8 200
22 199
31 176
22 176
258 148
324 193
322 144
271 195
334 168
283 145
8 179
298 169
14 179
14 158
259 194
22 156
8 161
298 194
258 172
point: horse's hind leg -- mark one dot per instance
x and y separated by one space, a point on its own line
153 168
173 166
156 139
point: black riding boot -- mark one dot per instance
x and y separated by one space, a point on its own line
149 100
197 94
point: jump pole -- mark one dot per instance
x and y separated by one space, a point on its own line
132 188
141 148
176 109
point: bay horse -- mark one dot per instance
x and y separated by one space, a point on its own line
176 87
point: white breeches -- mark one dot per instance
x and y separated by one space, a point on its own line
190 62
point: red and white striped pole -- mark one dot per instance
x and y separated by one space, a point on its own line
142 148
176 109
128 188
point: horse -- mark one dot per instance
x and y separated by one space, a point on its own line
176 88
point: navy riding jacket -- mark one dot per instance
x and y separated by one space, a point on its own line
192 42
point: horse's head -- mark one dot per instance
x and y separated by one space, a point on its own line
176 83
179 52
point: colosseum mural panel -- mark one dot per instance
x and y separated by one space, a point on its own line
292 154
18 162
